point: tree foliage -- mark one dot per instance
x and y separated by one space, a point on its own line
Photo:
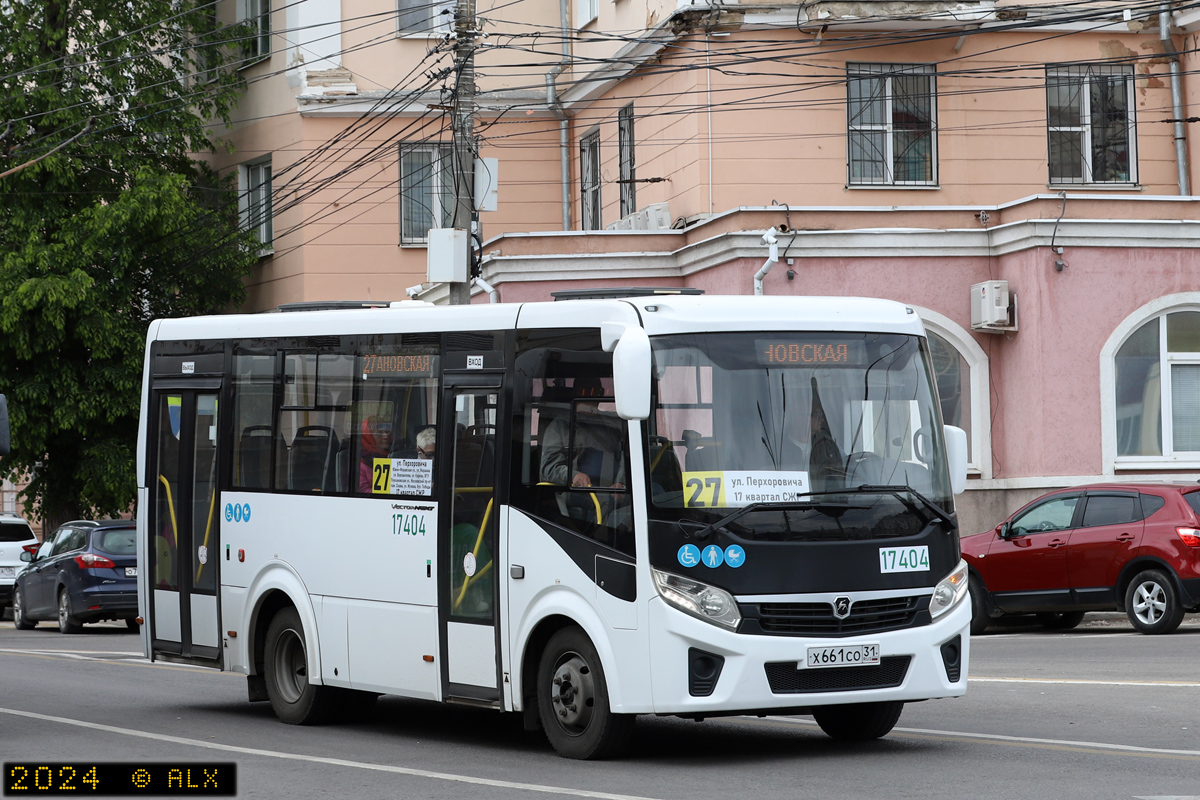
119 226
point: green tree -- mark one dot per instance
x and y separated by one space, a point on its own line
117 224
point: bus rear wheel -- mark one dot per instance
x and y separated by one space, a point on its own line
294 699
858 722
572 698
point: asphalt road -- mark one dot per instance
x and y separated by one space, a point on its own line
1098 712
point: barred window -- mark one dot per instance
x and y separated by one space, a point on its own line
426 190
891 124
627 163
1089 111
589 172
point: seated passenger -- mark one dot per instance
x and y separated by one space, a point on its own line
426 442
375 442
598 441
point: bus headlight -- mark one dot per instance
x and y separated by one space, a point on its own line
698 599
949 592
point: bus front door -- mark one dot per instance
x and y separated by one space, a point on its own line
467 547
184 526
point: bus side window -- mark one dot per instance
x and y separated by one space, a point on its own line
572 464
253 400
313 421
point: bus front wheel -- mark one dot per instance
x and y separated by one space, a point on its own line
294 699
572 698
858 722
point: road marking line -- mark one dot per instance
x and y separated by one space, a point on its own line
140 661
1086 682
1027 741
338 762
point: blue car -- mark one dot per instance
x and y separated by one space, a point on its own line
85 572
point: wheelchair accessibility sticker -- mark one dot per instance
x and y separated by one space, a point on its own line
689 555
237 512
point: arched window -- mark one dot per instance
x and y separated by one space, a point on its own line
1150 375
961 370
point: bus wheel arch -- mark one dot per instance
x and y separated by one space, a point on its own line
573 698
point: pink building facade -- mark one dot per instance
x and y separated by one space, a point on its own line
905 151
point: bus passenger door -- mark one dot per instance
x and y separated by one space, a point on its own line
184 526
469 521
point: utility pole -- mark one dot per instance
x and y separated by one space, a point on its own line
464 137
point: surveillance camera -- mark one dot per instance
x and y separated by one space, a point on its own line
413 291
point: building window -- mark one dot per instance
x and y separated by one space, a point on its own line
586 11
426 190
258 17
589 174
891 124
254 191
1157 386
1089 110
422 17
960 368
625 156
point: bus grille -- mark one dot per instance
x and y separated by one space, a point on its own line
816 619
785 678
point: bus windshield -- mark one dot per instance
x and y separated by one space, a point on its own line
778 421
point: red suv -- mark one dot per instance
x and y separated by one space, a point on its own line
1133 547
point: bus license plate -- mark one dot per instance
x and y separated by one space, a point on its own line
850 655
131 572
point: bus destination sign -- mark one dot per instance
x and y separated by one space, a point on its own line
810 353
408 365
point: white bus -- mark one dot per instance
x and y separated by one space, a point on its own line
657 503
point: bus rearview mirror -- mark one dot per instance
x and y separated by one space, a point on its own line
956 456
632 361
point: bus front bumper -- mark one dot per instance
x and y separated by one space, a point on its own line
764 673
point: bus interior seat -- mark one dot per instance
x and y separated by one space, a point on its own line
311 458
254 450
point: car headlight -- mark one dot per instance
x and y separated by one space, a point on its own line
949 592
698 599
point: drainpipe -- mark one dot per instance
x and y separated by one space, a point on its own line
493 295
772 259
552 101
1181 156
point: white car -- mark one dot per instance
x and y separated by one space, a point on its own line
15 538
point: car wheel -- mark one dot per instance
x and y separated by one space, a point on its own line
22 622
66 622
572 698
979 613
858 722
294 699
1060 620
133 626
1151 603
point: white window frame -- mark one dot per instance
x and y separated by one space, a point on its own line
590 208
626 160
886 73
258 14
255 203
438 21
1160 308
979 448
442 196
1083 74
586 12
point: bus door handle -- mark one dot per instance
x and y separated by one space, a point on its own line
516 571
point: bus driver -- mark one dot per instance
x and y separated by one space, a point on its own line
599 439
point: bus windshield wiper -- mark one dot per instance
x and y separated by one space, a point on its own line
791 505
899 490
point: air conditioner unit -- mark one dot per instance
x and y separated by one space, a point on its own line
993 307
620 225
658 216
639 220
